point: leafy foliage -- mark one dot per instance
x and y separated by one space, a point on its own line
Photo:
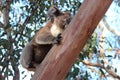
23 21
25 18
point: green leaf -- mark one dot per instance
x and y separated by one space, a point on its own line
8 26
24 77
108 67
5 43
102 72
102 61
29 31
119 3
115 69
23 72
10 72
109 56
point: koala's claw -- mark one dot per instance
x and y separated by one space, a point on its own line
31 65
58 38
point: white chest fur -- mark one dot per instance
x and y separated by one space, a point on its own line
55 30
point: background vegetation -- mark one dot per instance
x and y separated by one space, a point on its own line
20 19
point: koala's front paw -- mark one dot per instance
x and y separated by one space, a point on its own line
31 65
58 39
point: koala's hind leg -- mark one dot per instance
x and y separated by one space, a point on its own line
27 56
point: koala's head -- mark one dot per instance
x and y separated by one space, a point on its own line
53 12
63 19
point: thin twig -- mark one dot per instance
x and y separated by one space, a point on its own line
111 72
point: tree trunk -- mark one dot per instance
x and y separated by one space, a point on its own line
61 57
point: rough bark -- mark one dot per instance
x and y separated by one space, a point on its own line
61 57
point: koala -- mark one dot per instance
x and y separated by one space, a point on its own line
36 50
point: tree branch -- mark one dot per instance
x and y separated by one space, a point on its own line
110 71
2 25
110 29
22 26
102 53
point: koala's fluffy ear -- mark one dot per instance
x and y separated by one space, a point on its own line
53 12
